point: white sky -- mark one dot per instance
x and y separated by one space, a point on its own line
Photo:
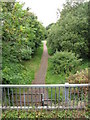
45 10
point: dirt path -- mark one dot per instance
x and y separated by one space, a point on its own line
40 75
35 94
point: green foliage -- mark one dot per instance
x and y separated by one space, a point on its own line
26 53
21 36
12 73
61 114
49 26
52 78
23 31
65 62
21 72
79 78
70 34
71 31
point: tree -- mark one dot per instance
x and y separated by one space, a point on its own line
22 34
71 31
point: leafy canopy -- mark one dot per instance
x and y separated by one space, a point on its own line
70 33
22 34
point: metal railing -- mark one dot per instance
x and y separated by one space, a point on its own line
57 96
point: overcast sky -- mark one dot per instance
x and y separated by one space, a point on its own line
45 10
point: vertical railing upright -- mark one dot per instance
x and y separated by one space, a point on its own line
42 99
66 93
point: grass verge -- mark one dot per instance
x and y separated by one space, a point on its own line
32 65
53 78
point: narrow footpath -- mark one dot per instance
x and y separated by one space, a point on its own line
40 78
40 75
37 95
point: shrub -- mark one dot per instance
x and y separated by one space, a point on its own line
65 62
26 53
79 78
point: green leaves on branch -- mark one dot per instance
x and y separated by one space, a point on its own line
65 62
70 33
22 28
21 36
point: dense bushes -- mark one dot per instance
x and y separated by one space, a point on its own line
22 30
21 36
79 77
65 62
68 39
71 31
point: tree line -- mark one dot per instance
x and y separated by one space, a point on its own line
68 38
22 34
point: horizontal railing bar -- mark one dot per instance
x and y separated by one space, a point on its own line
37 101
48 99
41 107
29 94
43 85
31 102
63 96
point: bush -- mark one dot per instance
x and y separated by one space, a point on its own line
26 53
79 77
65 62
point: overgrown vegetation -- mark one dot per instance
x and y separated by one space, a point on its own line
65 62
79 77
52 78
68 43
21 36
32 66
63 114
71 31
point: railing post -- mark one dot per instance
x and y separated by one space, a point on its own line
42 99
66 93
